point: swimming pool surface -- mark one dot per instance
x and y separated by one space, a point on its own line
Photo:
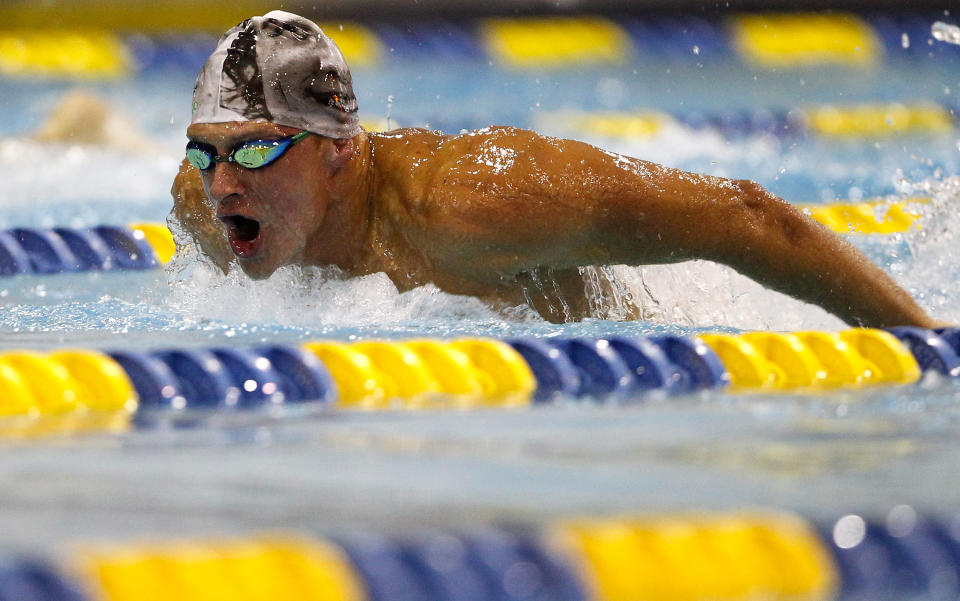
706 110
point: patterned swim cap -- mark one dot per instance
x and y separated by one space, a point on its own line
280 68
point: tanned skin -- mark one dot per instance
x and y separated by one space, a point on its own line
483 213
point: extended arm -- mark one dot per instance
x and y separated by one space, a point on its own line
772 242
564 204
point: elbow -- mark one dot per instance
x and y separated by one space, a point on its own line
769 213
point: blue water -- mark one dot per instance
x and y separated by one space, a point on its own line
862 451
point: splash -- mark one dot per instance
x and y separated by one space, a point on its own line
931 270
322 300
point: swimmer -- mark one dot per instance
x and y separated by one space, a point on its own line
279 172
84 119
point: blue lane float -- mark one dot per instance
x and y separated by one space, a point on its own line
90 250
302 376
252 376
204 382
156 385
58 250
226 378
13 259
951 336
650 367
912 557
555 374
696 359
35 580
127 250
460 567
603 374
47 251
930 350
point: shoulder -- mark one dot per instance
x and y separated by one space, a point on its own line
441 145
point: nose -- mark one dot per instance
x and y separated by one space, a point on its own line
225 182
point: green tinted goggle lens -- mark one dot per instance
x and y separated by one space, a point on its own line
199 158
251 155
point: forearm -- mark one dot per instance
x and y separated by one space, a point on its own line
790 252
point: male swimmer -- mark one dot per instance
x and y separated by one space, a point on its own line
279 172
82 118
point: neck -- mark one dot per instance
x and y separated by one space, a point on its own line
342 238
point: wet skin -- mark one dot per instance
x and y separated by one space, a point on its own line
487 212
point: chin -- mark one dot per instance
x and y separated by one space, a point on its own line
256 270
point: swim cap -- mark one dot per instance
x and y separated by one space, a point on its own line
280 68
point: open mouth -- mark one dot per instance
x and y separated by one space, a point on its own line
244 235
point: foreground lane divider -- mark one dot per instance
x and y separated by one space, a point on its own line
504 376
108 388
226 379
380 374
360 383
675 557
811 361
893 362
274 567
63 392
931 350
410 377
692 556
695 557
81 387
450 369
844 366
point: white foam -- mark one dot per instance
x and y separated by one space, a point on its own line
933 268
316 299
704 294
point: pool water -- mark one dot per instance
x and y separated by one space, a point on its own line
852 450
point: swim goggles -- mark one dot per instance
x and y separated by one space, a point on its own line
251 155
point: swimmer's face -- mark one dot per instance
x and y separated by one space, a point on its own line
269 214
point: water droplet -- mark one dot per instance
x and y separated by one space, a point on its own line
945 32
849 531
